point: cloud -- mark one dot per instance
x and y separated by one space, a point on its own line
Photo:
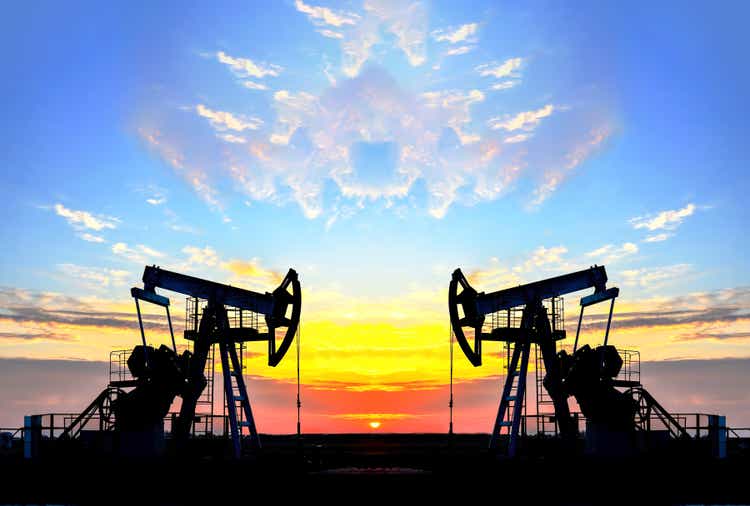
657 237
516 138
651 278
232 139
91 237
252 85
502 274
444 143
222 120
408 24
664 220
331 34
456 51
95 277
505 85
324 15
455 35
610 253
201 256
555 175
507 68
196 176
81 220
527 120
251 270
405 21
245 67
139 254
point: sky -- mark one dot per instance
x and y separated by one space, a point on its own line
374 147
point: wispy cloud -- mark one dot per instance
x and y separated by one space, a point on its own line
95 278
252 85
664 220
251 270
455 35
651 278
245 67
223 120
201 256
508 68
505 85
611 253
91 237
196 177
331 34
527 120
456 51
81 220
513 139
555 175
657 237
139 253
326 16
154 195
232 139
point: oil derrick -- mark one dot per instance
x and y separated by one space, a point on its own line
614 409
135 408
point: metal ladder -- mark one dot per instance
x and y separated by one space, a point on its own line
512 400
237 401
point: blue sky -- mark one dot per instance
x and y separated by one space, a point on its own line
375 147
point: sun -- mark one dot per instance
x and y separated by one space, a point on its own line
374 425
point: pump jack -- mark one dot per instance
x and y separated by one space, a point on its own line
280 309
467 310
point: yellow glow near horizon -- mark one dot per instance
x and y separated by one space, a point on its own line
374 425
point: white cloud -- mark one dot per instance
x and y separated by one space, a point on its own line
232 139
408 24
91 238
81 220
657 237
195 175
505 85
542 257
455 105
610 253
554 176
461 34
665 220
650 278
245 67
406 21
324 15
201 256
95 277
456 51
506 69
139 254
222 120
252 85
527 120
513 139
331 34
154 194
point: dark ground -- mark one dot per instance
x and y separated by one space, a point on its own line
380 469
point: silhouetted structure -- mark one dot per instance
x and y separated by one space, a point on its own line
589 375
